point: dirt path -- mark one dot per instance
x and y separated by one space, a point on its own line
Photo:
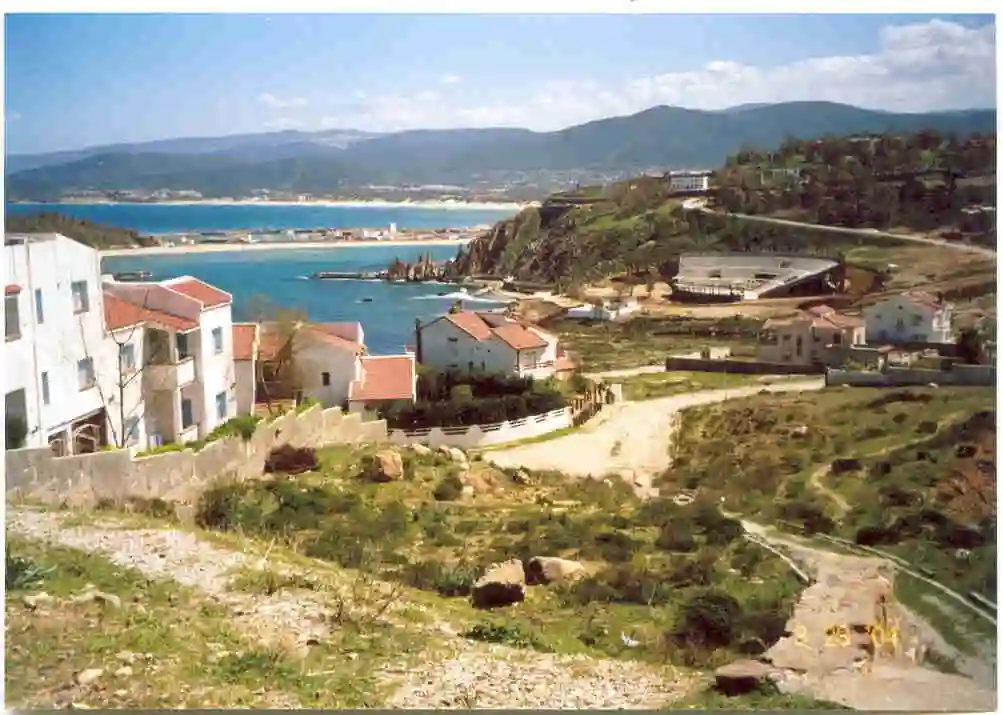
632 441
454 672
844 592
817 482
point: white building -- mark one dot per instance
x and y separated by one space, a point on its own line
608 310
912 317
689 180
329 364
54 330
246 339
492 342
188 375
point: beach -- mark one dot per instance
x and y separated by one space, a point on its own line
335 203
275 246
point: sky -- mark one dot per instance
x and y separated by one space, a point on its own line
82 80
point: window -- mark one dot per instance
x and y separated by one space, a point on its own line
85 374
187 416
917 320
453 340
837 339
39 313
45 388
81 302
221 406
181 339
217 340
325 379
11 319
127 357
899 324
131 431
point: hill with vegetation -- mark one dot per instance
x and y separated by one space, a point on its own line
304 163
86 232
918 181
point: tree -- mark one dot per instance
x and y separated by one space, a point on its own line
970 346
277 374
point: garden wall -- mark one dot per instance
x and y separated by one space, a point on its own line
86 479
741 367
468 437
972 375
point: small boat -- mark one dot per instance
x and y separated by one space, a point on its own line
366 300
133 276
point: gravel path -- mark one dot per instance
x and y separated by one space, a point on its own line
632 441
457 673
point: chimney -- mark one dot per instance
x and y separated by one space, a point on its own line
417 340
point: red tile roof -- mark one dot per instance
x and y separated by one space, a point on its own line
518 337
819 316
384 378
119 314
244 338
470 323
12 289
351 332
325 333
209 296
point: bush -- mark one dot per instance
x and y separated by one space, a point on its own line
243 427
676 536
449 489
291 460
447 581
710 619
21 572
510 634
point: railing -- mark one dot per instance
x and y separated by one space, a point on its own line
494 433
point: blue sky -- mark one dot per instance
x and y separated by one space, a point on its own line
81 80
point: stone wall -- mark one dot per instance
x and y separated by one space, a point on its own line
965 375
86 479
741 367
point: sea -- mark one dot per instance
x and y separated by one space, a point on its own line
281 277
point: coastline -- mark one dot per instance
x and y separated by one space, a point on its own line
336 203
271 246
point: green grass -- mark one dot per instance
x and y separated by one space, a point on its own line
767 698
189 653
959 626
675 382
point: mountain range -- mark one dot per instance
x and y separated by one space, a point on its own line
334 161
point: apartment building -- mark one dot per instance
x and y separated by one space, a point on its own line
54 344
910 317
810 337
686 181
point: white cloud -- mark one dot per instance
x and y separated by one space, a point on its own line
273 102
917 67
450 79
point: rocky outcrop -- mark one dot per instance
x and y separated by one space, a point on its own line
501 585
384 466
550 569
742 676
424 269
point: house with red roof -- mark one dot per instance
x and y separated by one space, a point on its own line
329 363
174 339
492 342
809 336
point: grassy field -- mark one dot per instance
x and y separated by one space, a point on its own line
915 477
647 564
648 341
675 382
163 645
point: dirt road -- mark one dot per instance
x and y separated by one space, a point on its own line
631 440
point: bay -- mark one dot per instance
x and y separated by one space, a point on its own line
179 218
281 275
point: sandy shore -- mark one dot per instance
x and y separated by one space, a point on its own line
339 203
270 246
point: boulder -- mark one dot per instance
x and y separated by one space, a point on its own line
522 477
421 450
457 455
800 431
501 585
550 569
742 676
384 466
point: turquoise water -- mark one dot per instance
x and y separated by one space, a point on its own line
280 275
177 218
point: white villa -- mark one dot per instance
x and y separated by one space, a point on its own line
90 361
913 316
492 342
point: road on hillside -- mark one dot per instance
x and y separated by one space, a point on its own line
868 232
631 439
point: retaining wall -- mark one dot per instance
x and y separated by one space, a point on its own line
970 375
468 437
86 479
741 367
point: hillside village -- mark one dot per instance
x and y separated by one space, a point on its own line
727 448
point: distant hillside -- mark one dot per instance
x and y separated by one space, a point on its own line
312 163
86 232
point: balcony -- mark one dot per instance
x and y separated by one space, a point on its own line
170 376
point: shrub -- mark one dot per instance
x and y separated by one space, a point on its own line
21 572
447 581
305 404
291 460
218 507
676 536
243 427
510 634
449 489
710 619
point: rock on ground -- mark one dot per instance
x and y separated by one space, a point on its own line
501 585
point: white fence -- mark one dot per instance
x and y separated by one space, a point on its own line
485 435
